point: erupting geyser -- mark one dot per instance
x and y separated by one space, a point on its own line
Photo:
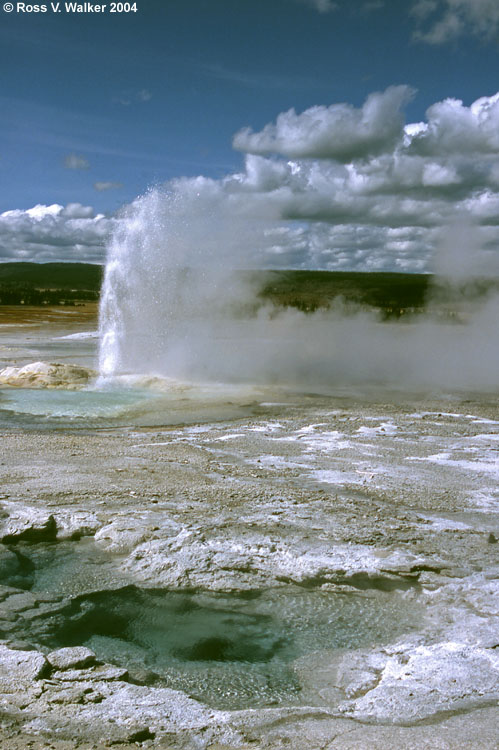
171 285
179 301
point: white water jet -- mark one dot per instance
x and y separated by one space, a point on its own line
171 283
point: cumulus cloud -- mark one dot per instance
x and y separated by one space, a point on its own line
339 132
441 21
75 161
336 187
359 193
100 186
352 247
54 233
452 127
77 211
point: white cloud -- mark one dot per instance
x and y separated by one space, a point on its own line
439 175
417 180
339 132
100 186
368 196
442 21
75 161
454 128
354 247
54 233
77 211
327 6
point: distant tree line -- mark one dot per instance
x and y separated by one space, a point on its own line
392 295
25 294
49 283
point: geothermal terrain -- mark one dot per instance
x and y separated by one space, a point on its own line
254 565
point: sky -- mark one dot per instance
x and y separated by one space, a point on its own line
368 129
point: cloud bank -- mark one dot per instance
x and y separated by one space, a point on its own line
54 233
335 187
361 190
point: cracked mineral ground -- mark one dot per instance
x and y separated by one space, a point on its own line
244 568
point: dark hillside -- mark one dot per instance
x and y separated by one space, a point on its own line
49 283
391 294
309 290
52 275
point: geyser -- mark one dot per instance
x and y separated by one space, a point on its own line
176 303
171 285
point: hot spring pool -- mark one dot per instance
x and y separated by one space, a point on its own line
116 406
71 405
229 650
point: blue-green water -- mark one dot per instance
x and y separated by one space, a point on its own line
229 650
71 405
116 405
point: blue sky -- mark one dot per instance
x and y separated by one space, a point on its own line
147 96
97 108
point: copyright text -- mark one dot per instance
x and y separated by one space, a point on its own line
70 7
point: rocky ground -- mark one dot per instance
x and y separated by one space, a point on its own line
392 506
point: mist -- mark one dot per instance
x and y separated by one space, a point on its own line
179 301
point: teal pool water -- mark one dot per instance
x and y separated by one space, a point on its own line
229 650
52 407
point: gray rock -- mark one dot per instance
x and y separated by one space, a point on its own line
8 616
130 709
326 677
18 602
124 534
18 669
18 645
103 673
77 657
29 525
69 695
426 681
73 524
